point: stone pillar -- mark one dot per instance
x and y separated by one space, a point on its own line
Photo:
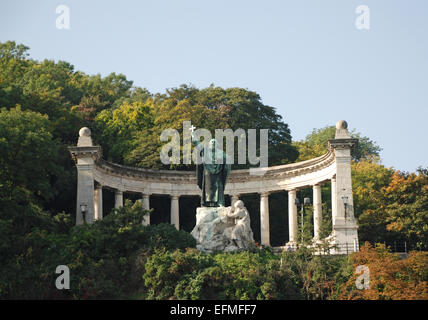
175 211
292 219
84 155
344 226
234 198
264 219
317 211
333 200
85 190
118 198
146 206
98 202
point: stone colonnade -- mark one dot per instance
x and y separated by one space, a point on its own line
264 211
94 173
145 200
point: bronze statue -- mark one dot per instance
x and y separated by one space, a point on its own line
212 174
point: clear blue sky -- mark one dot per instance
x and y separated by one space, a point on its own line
306 58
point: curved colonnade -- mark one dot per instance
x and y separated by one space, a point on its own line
94 174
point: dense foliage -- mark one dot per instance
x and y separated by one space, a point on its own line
296 275
105 258
195 275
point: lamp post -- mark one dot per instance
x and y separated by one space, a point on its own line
306 201
83 209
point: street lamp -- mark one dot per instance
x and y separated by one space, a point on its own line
306 201
83 210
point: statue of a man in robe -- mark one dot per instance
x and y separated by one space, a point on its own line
212 173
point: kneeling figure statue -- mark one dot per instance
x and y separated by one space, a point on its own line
223 229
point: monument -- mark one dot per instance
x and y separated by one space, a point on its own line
218 228
95 174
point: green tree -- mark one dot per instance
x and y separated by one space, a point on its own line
28 155
120 128
406 199
368 179
315 144
210 108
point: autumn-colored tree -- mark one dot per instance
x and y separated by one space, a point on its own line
390 278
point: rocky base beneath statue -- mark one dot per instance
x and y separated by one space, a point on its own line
213 231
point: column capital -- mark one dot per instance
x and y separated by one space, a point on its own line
264 194
347 143
85 152
174 196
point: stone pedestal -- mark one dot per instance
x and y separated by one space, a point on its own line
213 231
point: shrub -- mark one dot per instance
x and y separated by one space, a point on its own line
316 276
195 275
104 257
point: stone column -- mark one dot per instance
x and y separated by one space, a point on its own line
146 206
85 154
264 219
317 211
292 218
98 202
118 198
333 200
175 211
344 227
234 198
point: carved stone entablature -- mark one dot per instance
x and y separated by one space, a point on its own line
146 174
342 143
236 176
93 152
